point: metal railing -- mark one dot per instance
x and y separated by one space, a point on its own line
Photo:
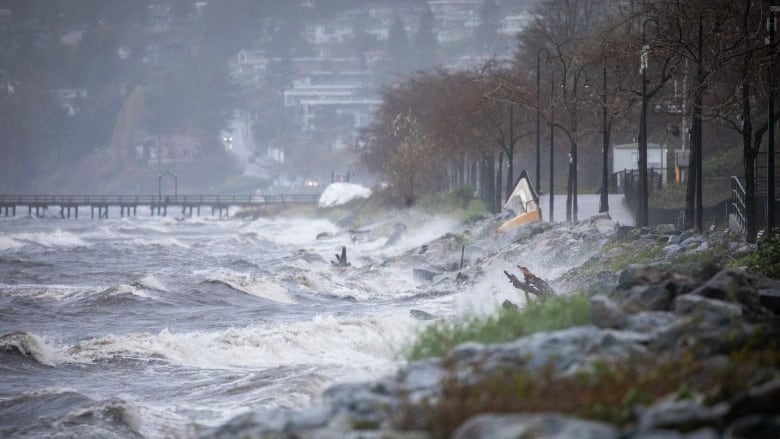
737 203
194 200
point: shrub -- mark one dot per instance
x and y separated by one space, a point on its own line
553 313
765 259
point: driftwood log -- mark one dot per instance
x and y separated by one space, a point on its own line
531 283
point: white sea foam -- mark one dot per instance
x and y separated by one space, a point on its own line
8 242
56 238
158 242
33 346
291 231
152 283
262 287
371 344
124 289
45 292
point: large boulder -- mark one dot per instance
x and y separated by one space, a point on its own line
537 426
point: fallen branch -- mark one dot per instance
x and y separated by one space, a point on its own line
531 283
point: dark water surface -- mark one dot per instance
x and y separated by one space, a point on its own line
162 328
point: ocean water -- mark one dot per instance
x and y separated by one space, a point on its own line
158 327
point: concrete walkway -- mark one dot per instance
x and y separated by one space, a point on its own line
588 205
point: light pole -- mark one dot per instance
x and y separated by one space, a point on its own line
571 196
695 158
552 145
695 169
604 200
538 111
642 214
772 78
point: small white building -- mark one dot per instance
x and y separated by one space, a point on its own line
625 157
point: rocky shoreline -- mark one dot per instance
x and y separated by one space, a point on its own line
677 348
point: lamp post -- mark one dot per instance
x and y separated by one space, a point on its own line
571 198
695 158
695 170
604 200
772 79
642 214
552 145
538 110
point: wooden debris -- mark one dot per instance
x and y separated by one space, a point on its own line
531 283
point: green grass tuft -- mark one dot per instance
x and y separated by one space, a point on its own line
553 313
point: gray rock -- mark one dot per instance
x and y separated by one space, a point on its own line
671 251
665 229
649 321
361 403
606 314
736 287
704 433
674 239
713 311
755 426
566 351
538 426
646 298
764 398
693 242
683 415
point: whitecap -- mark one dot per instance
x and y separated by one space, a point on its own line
31 346
259 287
56 238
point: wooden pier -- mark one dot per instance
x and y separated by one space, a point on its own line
158 205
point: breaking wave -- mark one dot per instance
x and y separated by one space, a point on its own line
368 342
30 346
246 283
56 238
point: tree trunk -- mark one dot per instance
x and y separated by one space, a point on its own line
487 181
748 154
570 186
499 178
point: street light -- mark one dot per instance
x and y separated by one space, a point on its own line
604 201
695 169
552 144
538 110
772 78
571 195
642 214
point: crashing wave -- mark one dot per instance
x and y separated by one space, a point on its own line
30 346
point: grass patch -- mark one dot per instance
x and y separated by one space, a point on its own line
643 255
557 312
607 392
765 260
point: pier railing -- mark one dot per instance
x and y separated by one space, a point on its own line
206 200
158 204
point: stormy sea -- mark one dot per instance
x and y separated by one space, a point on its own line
165 327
